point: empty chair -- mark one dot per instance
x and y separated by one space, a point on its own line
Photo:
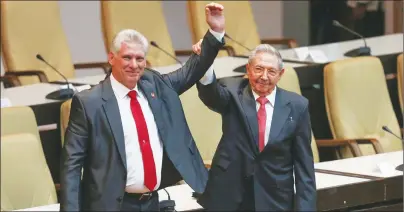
205 125
290 82
17 120
358 104
146 17
29 28
25 177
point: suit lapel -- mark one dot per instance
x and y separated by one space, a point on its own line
250 111
155 104
111 110
280 115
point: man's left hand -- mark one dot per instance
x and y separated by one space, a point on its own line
214 13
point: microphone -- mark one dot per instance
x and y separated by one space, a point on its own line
361 51
242 68
385 128
61 94
238 43
167 205
170 55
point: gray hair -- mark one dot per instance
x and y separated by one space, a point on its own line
267 49
129 36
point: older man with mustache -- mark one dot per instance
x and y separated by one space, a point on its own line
265 148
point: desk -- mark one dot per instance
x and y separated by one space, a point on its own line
182 194
29 95
365 165
380 45
383 193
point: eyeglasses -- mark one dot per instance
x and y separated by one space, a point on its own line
260 71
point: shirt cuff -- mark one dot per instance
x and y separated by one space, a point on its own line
218 35
209 77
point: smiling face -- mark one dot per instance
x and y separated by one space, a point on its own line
264 73
128 64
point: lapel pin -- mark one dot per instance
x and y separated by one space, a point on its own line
290 118
152 95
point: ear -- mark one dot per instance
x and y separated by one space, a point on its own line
111 57
281 73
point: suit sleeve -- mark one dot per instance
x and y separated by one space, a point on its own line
214 95
196 66
304 165
73 155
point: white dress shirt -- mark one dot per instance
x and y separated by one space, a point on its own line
134 161
269 106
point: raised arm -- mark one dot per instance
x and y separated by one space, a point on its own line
213 94
73 155
304 165
197 65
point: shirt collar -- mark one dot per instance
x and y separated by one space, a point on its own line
270 97
119 89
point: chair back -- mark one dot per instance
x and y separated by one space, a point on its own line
358 103
29 28
15 120
146 17
26 181
240 24
205 125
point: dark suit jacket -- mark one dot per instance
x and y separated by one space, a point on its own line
95 140
237 159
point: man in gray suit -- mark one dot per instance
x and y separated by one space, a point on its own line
266 138
129 133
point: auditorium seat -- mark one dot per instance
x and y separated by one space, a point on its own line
29 28
289 81
205 125
25 177
358 104
146 17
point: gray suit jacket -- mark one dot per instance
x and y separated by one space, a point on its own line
238 163
95 141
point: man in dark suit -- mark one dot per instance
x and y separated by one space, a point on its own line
129 133
265 149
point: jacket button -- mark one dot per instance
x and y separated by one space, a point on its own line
119 199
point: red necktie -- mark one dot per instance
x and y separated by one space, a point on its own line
262 119
150 178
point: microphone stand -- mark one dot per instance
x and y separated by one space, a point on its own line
385 128
361 51
168 54
61 94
